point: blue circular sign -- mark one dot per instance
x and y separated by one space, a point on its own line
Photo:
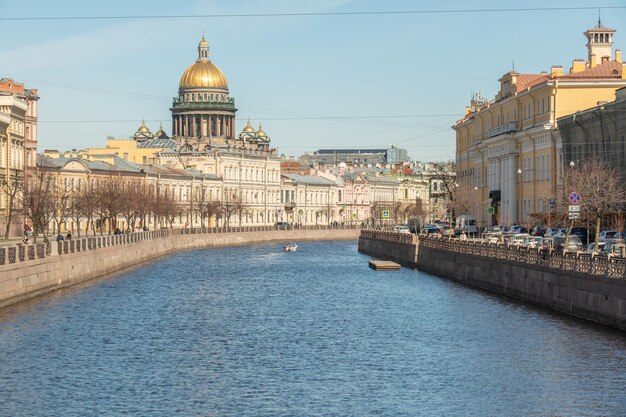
574 198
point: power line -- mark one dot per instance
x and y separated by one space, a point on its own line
300 14
401 116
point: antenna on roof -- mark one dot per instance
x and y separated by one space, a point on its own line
599 20
513 69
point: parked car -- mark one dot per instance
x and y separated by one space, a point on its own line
608 234
519 239
283 225
591 248
552 232
534 242
538 231
402 229
492 237
413 225
430 229
573 243
616 247
581 232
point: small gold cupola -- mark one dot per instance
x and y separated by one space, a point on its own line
248 128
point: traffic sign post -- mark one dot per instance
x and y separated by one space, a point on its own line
573 212
574 197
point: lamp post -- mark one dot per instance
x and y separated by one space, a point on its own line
571 224
476 202
521 189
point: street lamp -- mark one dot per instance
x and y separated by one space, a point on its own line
521 187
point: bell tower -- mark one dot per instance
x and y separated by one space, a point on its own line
599 44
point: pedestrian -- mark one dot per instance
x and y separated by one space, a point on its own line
27 231
68 236
117 231
60 237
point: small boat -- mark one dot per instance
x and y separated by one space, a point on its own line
290 247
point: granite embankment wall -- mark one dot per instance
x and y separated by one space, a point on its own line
38 273
557 283
400 248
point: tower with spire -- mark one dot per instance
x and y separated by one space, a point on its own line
599 44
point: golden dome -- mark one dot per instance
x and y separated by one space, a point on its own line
261 133
248 128
143 128
203 74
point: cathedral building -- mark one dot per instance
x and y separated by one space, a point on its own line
203 129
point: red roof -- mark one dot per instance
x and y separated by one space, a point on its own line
610 69
525 81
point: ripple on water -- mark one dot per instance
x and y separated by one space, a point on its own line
253 331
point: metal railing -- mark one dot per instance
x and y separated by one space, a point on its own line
601 265
23 253
389 235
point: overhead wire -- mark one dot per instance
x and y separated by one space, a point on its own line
304 14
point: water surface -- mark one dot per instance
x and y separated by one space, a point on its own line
252 331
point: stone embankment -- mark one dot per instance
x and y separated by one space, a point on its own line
585 286
30 271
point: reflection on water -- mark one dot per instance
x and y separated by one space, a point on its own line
253 331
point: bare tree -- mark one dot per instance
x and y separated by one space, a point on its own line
214 209
240 208
201 204
37 201
145 199
110 194
169 209
12 187
600 187
618 221
131 202
445 172
86 205
415 212
60 203
227 208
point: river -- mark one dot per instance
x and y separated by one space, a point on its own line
253 331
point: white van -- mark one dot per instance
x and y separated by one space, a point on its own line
466 223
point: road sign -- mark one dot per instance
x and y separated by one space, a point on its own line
573 208
491 210
574 197
385 214
573 215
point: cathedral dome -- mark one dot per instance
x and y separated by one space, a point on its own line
143 128
203 73
248 128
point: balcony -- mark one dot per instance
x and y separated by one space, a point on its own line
505 128
289 206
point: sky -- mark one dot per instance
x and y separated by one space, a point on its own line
313 81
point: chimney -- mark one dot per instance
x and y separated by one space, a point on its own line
578 65
556 71
623 70
618 55
593 62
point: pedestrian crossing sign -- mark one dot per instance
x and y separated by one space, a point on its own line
491 210
385 214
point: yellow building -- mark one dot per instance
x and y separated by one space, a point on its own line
140 148
508 149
